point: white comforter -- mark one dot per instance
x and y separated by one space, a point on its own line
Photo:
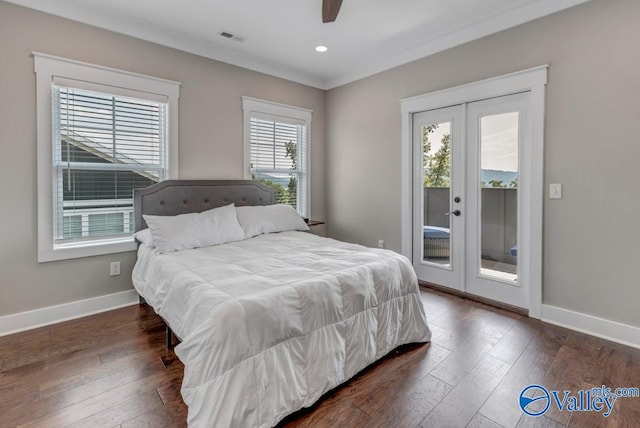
271 323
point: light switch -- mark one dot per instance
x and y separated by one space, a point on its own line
555 191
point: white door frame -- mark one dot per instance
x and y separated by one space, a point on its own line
533 80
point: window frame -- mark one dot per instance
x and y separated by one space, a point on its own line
48 67
261 109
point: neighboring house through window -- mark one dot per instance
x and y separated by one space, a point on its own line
101 134
276 149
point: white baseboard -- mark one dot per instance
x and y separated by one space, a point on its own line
600 327
54 314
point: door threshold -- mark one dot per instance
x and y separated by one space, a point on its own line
475 298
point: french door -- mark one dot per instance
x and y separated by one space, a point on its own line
471 194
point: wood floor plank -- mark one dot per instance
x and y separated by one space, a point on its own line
405 402
592 420
538 422
15 390
23 349
499 321
461 361
85 408
626 414
530 368
458 407
168 416
415 359
51 369
513 342
103 377
155 341
612 365
22 395
566 374
169 391
75 335
122 412
331 413
547 336
447 338
436 303
480 421
457 327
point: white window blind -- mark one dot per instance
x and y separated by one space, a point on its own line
105 144
278 157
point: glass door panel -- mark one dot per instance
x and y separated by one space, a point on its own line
499 196
436 184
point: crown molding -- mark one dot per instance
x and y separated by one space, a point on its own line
141 29
148 31
491 25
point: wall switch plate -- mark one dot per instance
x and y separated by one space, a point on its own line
555 191
114 269
381 243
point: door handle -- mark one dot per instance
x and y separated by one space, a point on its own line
455 213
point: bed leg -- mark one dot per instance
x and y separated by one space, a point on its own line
142 301
169 338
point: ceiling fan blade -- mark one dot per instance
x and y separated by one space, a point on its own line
330 9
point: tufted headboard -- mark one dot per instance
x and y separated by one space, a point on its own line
173 197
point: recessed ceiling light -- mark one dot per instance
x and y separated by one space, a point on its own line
321 48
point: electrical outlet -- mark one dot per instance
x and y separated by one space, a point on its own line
114 269
380 243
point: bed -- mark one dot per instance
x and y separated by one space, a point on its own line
270 323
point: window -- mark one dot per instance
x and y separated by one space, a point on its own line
101 134
277 150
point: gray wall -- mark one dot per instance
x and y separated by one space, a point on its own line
210 142
591 237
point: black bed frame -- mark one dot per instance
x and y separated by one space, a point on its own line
173 197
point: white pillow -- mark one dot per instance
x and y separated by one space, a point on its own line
195 230
144 237
269 218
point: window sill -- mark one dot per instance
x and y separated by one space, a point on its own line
86 249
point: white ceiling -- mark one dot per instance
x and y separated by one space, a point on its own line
369 36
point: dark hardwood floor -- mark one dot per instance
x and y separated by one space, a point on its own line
112 370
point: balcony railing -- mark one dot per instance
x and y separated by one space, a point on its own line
499 227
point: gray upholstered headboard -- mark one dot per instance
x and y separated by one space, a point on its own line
173 197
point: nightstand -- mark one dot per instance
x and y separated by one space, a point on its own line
317 227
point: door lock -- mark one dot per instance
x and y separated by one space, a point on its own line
455 213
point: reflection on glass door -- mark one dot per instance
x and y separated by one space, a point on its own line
499 195
438 165
436 184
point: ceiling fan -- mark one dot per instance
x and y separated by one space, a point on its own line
330 9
